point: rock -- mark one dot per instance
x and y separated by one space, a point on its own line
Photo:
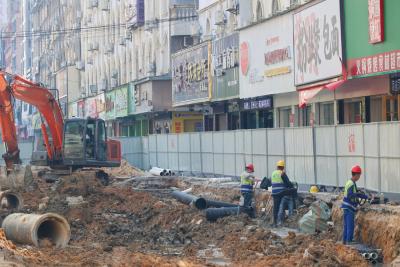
199 221
42 206
75 201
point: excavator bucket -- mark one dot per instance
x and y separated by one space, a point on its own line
18 177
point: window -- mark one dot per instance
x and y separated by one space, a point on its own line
259 14
275 6
305 116
326 114
265 119
233 121
73 139
284 117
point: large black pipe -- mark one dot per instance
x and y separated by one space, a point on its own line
219 204
212 214
198 202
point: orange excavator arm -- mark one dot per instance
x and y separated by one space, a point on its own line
44 101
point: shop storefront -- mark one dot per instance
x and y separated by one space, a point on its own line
373 61
225 84
184 122
317 61
266 68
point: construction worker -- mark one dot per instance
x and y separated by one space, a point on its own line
350 203
246 185
280 183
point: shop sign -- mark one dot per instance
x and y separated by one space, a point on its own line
225 63
101 105
91 107
317 42
190 75
81 108
110 105
383 62
375 19
131 99
121 101
365 58
134 13
264 103
267 66
395 83
73 109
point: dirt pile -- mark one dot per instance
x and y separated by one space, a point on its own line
125 170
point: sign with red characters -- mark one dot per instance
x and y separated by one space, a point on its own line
375 19
379 63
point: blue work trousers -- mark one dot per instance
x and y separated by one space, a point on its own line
348 225
286 202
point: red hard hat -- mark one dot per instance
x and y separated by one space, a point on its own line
250 167
356 169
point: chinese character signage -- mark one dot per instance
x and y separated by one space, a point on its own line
395 83
225 66
266 58
364 56
261 103
121 101
81 108
110 105
375 19
191 74
375 64
131 99
91 107
317 41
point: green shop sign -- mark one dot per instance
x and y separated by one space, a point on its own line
121 101
110 105
371 36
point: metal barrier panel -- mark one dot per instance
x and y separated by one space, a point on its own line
389 143
145 150
299 154
184 152
218 152
229 160
350 149
195 153
259 149
162 151
248 146
153 151
275 148
173 155
131 150
239 155
325 153
371 156
207 152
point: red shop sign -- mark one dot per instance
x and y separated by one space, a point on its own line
375 20
383 62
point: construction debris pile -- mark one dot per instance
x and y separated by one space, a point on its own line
141 221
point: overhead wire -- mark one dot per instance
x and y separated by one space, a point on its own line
24 34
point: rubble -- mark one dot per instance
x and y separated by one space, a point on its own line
125 170
142 223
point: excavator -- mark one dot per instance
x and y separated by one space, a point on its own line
69 144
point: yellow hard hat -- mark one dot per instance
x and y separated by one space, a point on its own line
314 189
280 163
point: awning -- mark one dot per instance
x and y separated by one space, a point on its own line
306 94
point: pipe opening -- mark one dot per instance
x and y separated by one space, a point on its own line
200 203
52 232
11 201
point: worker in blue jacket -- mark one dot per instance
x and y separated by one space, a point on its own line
350 203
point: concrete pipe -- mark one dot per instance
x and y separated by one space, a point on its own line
366 256
374 255
37 229
219 204
10 200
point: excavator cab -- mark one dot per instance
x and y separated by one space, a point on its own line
86 144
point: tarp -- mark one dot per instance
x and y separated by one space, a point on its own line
316 219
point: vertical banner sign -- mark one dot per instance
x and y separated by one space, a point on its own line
318 44
121 101
375 19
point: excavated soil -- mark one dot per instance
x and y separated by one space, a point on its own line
139 224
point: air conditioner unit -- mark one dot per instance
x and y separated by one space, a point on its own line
63 64
220 18
90 47
152 68
93 3
187 41
93 88
128 34
79 65
234 8
105 5
114 73
114 82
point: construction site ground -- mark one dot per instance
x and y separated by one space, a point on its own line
135 222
